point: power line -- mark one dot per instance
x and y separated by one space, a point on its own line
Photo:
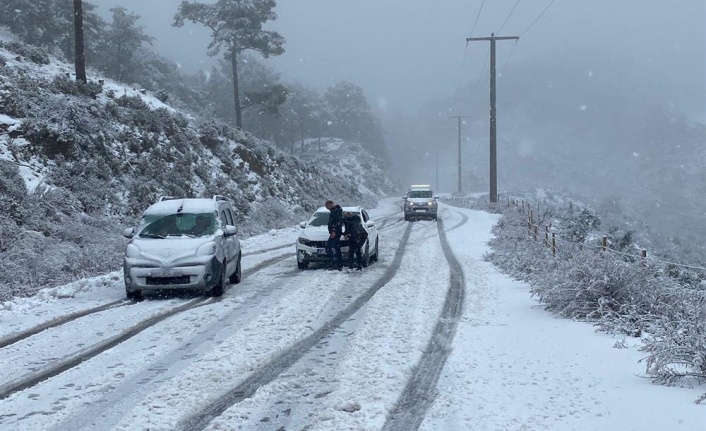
508 17
537 19
476 21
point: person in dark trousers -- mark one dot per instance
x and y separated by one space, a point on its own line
335 231
356 238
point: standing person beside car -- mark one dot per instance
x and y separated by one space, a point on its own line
335 230
356 238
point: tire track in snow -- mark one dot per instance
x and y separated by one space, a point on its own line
75 359
289 357
61 320
410 409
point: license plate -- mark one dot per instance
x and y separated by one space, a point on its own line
166 273
321 251
420 209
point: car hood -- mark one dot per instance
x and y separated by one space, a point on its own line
168 250
315 233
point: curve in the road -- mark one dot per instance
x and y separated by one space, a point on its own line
286 359
418 395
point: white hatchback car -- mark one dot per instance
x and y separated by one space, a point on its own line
183 244
311 245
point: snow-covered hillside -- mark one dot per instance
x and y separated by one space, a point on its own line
92 157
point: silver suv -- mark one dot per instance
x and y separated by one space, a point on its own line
183 244
420 203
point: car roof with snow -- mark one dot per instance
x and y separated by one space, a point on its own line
345 209
189 205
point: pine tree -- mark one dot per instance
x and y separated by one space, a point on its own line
123 39
236 26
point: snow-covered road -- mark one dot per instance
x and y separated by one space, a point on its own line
321 350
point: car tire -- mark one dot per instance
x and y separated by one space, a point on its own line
406 218
366 256
303 264
135 296
376 256
220 288
237 276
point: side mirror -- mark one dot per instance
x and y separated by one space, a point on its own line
129 232
302 225
370 223
436 198
404 197
230 231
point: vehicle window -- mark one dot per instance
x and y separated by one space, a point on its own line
229 215
419 194
176 225
224 219
319 219
365 216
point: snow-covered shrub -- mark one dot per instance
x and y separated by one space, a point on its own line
33 53
618 295
65 85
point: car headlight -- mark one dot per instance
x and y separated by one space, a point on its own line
303 241
208 249
430 203
132 251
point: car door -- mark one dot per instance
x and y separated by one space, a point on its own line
372 231
229 247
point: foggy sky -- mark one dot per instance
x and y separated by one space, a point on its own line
407 52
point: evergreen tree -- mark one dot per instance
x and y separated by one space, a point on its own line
33 20
351 117
236 26
123 40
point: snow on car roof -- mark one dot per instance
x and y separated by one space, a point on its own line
345 209
193 206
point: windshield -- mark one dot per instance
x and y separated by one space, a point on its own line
176 225
419 194
319 219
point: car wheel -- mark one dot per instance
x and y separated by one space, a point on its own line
220 288
237 276
303 265
406 218
135 296
366 256
376 256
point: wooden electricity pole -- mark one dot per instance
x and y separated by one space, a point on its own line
79 54
460 119
493 112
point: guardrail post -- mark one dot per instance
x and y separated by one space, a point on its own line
604 243
536 232
643 256
553 243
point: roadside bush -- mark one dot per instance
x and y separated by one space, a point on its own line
616 295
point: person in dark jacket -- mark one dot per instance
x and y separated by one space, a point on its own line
335 230
356 238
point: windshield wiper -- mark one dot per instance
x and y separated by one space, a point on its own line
151 235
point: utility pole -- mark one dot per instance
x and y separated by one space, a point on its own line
493 112
459 118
